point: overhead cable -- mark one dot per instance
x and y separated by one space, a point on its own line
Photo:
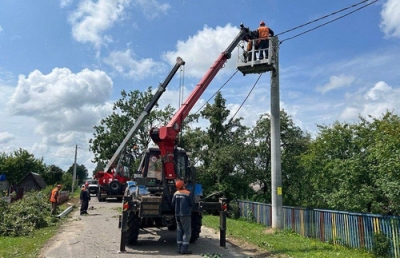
217 91
247 96
340 17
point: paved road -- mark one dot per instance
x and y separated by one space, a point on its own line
97 235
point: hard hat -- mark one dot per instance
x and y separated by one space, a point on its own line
86 184
179 184
59 186
262 23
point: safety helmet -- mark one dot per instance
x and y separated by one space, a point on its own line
59 186
262 23
86 184
179 184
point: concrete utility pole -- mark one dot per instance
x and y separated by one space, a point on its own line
276 173
74 174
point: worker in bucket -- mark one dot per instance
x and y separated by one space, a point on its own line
55 199
264 32
183 214
85 198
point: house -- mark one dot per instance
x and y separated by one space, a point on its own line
32 182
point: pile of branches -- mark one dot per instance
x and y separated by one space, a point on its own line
26 215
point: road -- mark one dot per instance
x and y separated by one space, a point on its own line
97 236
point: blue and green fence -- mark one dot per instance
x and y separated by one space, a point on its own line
355 230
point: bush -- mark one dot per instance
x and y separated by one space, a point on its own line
24 216
381 246
233 210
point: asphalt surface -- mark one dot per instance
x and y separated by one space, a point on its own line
97 235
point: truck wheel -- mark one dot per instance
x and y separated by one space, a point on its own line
114 187
196 226
133 226
99 196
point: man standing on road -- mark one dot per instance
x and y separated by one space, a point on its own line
55 199
183 214
85 198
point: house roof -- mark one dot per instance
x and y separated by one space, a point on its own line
39 180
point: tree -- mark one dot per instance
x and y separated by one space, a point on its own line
53 175
114 128
220 151
81 174
293 142
15 166
355 167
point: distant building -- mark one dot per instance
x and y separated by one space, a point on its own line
32 182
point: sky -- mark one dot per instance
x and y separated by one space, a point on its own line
63 63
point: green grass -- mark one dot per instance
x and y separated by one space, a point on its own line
26 246
282 243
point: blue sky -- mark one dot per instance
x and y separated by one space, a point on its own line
64 63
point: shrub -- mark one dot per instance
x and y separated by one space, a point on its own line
381 246
24 216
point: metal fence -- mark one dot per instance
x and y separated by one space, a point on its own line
354 230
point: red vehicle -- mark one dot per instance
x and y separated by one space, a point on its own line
112 184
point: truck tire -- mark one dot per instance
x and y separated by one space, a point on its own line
99 196
196 226
133 226
114 187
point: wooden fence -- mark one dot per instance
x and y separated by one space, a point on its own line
355 230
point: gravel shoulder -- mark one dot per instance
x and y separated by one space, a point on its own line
97 235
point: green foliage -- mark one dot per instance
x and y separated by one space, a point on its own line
16 165
113 129
81 174
52 175
381 246
355 167
24 216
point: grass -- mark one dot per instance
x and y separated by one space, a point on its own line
26 246
282 243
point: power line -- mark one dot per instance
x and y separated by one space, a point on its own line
323 17
217 91
247 96
340 17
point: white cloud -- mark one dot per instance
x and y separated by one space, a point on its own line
63 103
152 8
49 94
51 113
379 91
201 50
124 63
374 102
1 29
6 137
93 18
335 82
65 3
390 15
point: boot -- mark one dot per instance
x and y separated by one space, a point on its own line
179 247
184 249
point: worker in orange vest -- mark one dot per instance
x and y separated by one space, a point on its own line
55 199
264 32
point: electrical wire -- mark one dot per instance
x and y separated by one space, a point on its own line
241 105
340 17
323 17
217 91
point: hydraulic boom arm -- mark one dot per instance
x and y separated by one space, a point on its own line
165 136
147 110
